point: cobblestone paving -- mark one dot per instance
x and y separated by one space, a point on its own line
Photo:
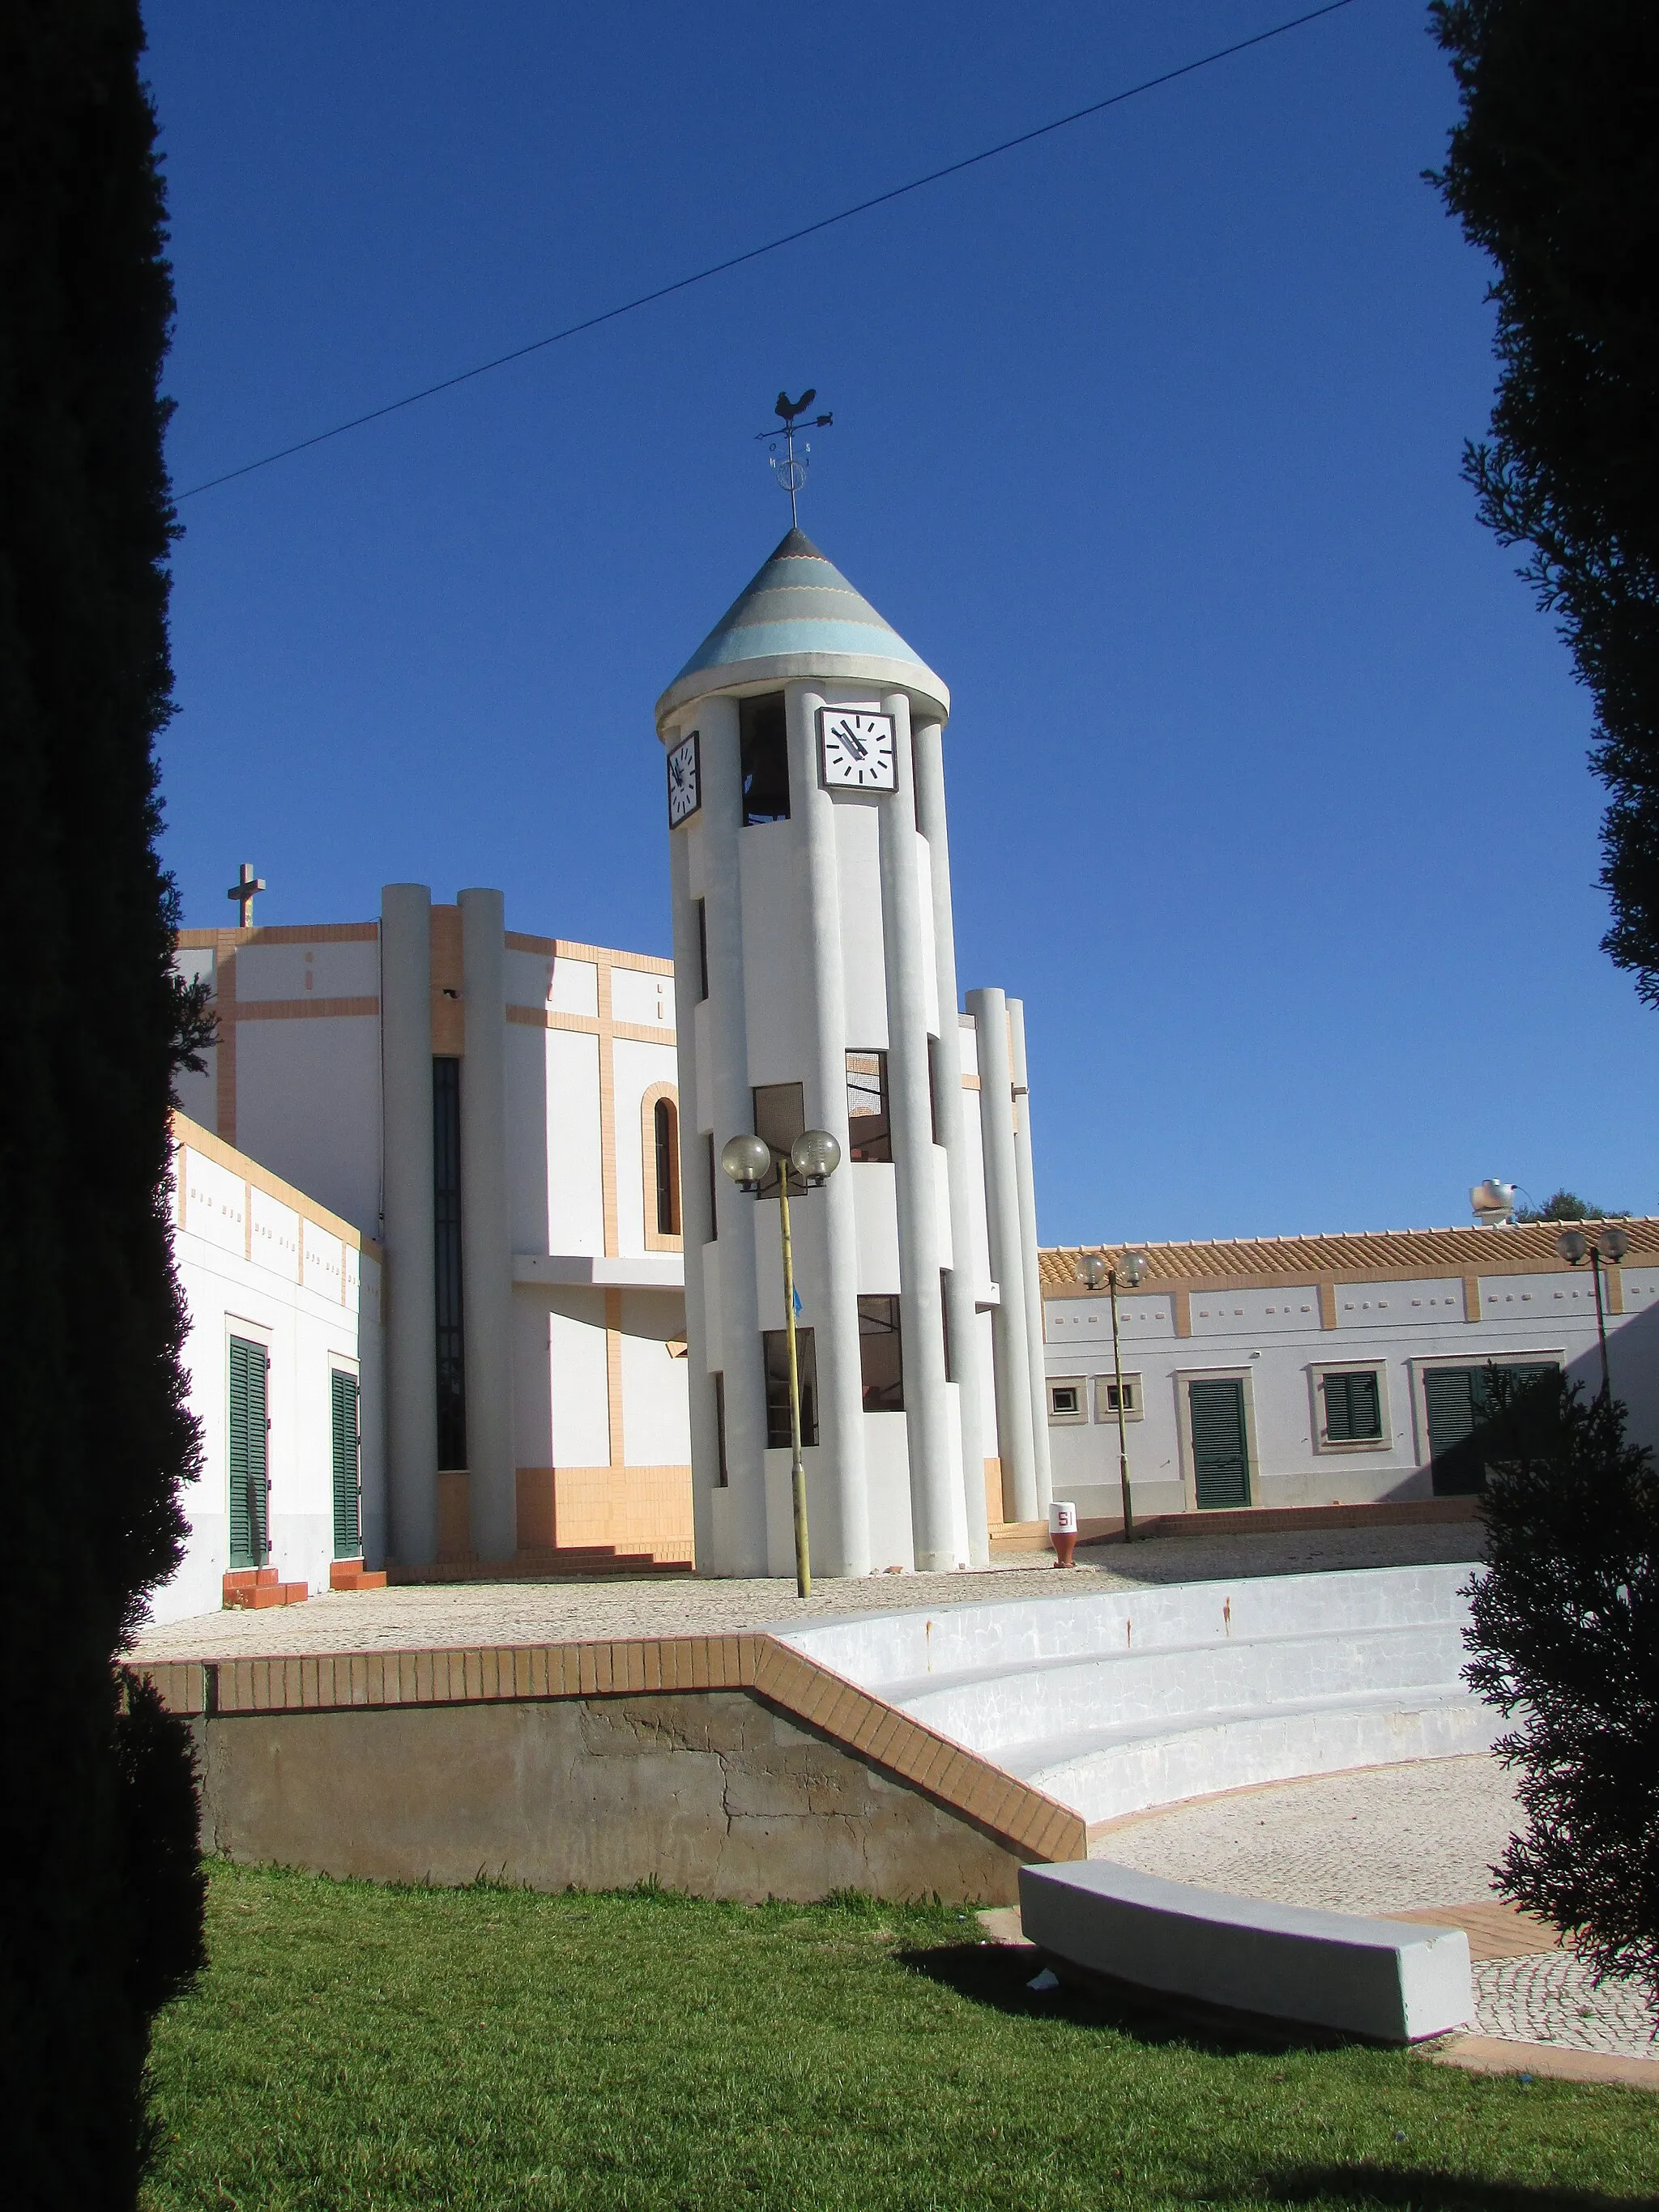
460 1614
1555 1998
1388 1840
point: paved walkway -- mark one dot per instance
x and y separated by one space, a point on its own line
1389 1840
464 1613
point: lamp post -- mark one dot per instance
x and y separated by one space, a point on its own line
747 1159
1130 1268
1609 1245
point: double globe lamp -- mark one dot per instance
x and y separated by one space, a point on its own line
750 1161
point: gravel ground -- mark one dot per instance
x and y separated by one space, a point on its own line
1389 1840
466 1614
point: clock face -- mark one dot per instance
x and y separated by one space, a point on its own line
856 744
684 781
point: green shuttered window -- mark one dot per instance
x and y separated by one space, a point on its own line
248 1426
347 1505
1354 1408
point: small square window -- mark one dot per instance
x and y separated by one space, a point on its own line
1352 1405
1106 1398
1066 1402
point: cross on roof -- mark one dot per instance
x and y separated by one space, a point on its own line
242 890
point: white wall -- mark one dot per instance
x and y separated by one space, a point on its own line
251 1265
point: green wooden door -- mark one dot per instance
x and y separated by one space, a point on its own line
1221 1456
1456 1401
248 1428
348 1493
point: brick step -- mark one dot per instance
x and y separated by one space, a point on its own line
353 1575
548 1564
249 1579
250 1597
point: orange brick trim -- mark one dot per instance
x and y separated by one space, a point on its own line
302 1009
1025 1819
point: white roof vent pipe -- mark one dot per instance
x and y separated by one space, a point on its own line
1493 1203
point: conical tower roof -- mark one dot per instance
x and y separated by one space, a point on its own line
800 619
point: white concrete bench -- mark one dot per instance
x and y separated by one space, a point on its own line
1384 1980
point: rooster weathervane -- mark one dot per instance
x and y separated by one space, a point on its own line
790 467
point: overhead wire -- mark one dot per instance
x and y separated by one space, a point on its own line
771 246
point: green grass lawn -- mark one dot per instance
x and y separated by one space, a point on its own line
353 2045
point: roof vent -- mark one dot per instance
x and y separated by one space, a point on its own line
1493 1203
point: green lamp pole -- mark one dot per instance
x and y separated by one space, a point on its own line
1606 1248
1130 1269
749 1159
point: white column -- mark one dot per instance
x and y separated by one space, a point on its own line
1013 1357
741 1549
928 754
486 1237
410 1302
933 1478
839 1503
696 1219
1028 1250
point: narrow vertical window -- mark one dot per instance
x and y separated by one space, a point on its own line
945 1320
701 906
666 1136
776 1347
763 749
447 1260
881 1356
869 1128
714 1187
722 1479
932 1089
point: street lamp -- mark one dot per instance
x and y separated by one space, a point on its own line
1608 1245
747 1159
1129 1269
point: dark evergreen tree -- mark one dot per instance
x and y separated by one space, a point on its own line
1555 171
100 1891
1566 1638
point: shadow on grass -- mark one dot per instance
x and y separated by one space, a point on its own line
998 1975
1417 2190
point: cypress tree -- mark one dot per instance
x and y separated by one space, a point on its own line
1565 1636
100 1915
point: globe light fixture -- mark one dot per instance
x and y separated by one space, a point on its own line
750 1161
747 1159
816 1156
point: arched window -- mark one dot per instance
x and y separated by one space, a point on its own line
666 1124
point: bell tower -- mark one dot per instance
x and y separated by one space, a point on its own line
815 978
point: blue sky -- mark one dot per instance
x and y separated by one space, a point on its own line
1267 781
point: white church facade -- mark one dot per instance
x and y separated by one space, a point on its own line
449 1216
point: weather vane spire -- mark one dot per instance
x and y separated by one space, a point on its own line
790 467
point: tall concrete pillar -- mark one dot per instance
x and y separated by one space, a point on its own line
928 754
934 1479
1008 1328
696 1203
839 1499
1028 1251
738 1517
486 1236
412 1364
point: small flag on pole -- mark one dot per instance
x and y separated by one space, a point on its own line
795 1287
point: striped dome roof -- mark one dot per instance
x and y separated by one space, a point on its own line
799 617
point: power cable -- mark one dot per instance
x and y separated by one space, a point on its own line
772 245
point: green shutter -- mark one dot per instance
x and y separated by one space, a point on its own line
1221 1460
1456 1399
246 1432
1353 1408
348 1509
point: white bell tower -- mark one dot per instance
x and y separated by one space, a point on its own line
816 981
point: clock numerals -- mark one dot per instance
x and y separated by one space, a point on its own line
684 781
857 748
